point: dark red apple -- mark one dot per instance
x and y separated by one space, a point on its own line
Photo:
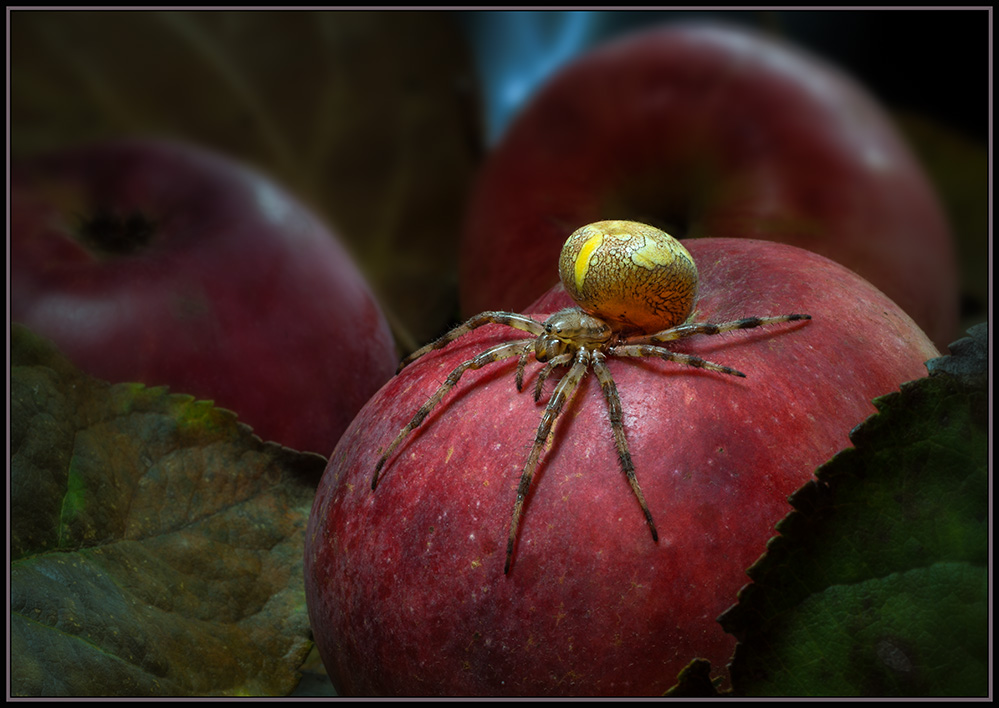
405 584
158 262
709 131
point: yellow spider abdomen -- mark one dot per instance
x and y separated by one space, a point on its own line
629 273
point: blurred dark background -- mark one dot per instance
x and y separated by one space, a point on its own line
932 62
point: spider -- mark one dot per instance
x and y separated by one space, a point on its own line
635 286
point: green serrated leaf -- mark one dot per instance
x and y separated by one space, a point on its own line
877 583
155 541
917 633
969 360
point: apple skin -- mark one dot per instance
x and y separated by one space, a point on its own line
709 131
240 295
405 584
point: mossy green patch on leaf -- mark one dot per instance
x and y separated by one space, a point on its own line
877 583
156 543
914 633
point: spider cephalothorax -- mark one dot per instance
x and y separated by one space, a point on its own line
636 287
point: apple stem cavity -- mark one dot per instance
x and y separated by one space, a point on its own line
115 234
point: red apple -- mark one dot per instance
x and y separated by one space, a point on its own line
157 262
405 584
708 131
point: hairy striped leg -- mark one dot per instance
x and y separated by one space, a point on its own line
562 393
646 350
511 319
547 369
616 415
645 346
493 354
689 330
521 365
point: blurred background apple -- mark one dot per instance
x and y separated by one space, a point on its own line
938 98
163 263
709 131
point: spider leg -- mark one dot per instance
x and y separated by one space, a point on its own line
563 392
689 330
545 372
511 319
616 415
642 350
493 354
521 365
